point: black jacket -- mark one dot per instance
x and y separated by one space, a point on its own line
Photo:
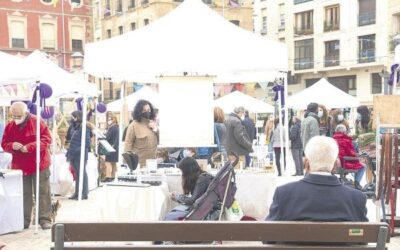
250 128
201 187
74 150
112 136
318 198
294 135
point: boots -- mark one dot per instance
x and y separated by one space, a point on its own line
357 185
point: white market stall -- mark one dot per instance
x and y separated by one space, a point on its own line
145 93
232 100
322 92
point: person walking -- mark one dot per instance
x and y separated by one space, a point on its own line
19 139
251 132
310 125
277 143
112 137
296 145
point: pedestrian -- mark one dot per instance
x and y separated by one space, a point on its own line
310 125
277 143
112 137
19 139
142 134
251 132
296 145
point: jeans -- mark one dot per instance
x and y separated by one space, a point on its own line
85 188
297 154
270 152
359 174
278 159
29 186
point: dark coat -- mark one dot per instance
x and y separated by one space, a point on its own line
200 188
74 150
237 140
112 136
250 128
294 136
318 198
346 148
221 133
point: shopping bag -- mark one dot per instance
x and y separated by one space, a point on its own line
234 212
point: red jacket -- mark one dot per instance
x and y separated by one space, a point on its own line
346 148
25 134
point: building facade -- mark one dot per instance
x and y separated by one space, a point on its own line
56 27
349 42
116 17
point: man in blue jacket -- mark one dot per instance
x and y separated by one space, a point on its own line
319 196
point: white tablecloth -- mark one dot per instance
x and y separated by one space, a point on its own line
124 204
254 192
5 160
61 178
11 202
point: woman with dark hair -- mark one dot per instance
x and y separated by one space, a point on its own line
363 121
194 184
112 137
74 154
142 134
324 121
276 144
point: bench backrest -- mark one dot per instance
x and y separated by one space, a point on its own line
195 231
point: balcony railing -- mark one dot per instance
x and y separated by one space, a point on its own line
366 56
330 26
331 60
303 63
366 18
300 1
303 32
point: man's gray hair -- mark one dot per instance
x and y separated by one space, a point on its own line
238 110
19 105
341 128
321 152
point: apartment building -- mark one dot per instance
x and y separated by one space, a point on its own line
116 17
349 42
59 28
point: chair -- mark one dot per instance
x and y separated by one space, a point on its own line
342 172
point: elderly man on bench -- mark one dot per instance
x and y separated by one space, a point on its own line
319 196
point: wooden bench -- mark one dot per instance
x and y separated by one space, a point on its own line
247 235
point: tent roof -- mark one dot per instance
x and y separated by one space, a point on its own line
14 69
192 38
322 92
145 93
235 99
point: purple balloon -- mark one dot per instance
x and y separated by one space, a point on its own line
32 108
47 112
45 90
101 107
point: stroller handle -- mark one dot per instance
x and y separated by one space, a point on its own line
235 162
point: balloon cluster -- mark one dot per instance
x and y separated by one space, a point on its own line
45 92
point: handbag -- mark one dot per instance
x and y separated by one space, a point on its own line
234 212
102 150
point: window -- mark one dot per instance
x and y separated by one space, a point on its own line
376 83
133 26
18 34
332 18
264 25
304 23
107 8
236 22
345 83
304 54
282 20
301 1
76 3
146 21
48 35
311 81
77 37
108 33
131 4
207 1
366 12
120 30
119 7
144 2
332 53
366 49
47 1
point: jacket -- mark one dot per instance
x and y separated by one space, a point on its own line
74 150
268 129
200 188
237 140
221 133
309 128
294 136
112 137
318 198
142 140
25 134
276 137
250 128
346 148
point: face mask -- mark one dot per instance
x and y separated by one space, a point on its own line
146 115
19 121
359 117
187 153
109 122
340 118
242 117
159 160
320 113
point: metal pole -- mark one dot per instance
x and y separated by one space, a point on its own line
285 93
83 146
63 34
281 129
38 110
121 122
54 146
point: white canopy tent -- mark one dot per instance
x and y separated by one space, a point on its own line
230 101
322 92
145 93
15 70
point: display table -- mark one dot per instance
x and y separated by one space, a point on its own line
61 178
124 203
5 160
254 191
11 202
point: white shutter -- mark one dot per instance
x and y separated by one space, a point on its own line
17 29
48 34
77 32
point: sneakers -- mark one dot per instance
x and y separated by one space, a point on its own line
45 225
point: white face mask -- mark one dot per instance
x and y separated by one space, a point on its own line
340 117
110 122
18 121
187 153
320 113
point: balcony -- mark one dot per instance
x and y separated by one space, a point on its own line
332 60
300 1
331 27
366 18
366 56
303 32
303 63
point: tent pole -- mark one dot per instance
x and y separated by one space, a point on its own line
54 148
281 129
83 143
38 110
121 122
285 84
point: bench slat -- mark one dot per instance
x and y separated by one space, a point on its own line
224 231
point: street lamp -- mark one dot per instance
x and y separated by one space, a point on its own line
77 60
